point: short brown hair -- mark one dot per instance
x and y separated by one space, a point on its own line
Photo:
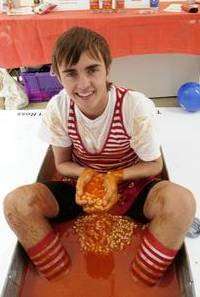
72 43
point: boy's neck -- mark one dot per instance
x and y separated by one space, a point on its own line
93 114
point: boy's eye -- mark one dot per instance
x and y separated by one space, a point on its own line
70 74
92 70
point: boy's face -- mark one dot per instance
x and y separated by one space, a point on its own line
85 83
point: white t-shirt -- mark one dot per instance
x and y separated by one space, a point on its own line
138 115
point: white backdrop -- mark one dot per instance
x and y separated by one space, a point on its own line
156 75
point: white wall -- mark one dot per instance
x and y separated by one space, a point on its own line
156 75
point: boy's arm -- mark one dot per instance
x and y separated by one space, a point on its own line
143 169
138 171
144 141
64 163
65 166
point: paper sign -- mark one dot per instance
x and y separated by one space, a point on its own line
26 2
72 4
21 11
173 1
137 3
173 8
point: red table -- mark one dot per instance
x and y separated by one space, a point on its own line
28 40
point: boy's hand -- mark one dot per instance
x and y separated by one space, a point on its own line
83 179
111 180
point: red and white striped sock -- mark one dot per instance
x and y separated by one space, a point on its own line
49 256
152 259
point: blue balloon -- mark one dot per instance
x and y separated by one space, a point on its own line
189 96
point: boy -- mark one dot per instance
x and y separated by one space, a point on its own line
94 126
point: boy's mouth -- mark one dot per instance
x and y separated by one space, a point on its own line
84 96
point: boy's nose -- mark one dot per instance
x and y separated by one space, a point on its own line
83 82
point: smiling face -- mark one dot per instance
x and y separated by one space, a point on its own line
86 84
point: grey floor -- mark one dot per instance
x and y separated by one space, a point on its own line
159 102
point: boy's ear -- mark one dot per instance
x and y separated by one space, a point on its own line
55 74
58 78
108 70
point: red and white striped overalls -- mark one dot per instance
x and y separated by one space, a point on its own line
116 153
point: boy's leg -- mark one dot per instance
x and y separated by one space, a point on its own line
170 209
64 194
27 210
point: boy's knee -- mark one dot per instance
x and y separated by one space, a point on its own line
17 203
30 200
179 205
173 203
